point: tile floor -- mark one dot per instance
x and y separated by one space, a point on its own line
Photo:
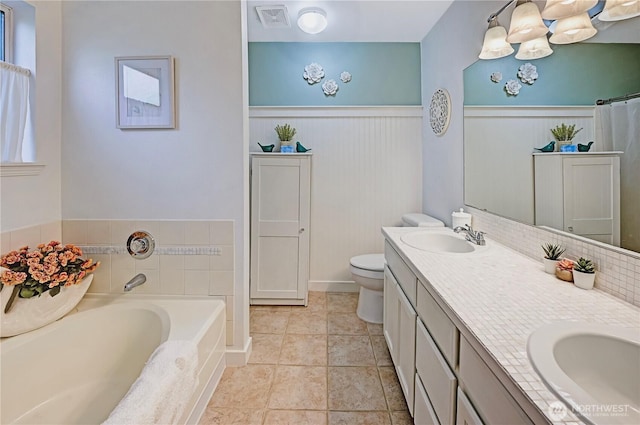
313 365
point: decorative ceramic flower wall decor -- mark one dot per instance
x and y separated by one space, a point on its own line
330 88
512 87
496 77
528 73
345 77
313 73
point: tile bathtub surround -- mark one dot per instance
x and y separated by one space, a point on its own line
31 236
304 370
617 273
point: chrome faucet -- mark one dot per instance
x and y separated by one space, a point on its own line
473 236
137 280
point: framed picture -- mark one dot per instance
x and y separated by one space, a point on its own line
145 92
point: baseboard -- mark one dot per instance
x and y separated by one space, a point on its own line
333 286
239 357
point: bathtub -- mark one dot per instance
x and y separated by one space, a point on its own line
76 370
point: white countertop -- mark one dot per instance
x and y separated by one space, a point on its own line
502 296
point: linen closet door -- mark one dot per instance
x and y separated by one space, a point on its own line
280 203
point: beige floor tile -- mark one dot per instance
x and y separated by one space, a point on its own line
392 390
295 417
402 417
317 301
265 348
350 350
270 308
307 322
346 324
343 302
355 388
299 388
226 416
359 418
268 321
244 387
304 350
375 328
381 351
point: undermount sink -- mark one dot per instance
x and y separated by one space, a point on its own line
437 242
594 369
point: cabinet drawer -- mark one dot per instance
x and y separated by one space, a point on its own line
405 277
423 413
440 382
491 400
442 330
466 414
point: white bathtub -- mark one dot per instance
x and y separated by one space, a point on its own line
76 370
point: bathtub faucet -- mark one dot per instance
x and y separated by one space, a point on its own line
137 280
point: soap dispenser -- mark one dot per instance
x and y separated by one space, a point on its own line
460 218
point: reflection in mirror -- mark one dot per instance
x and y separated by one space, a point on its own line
502 132
142 91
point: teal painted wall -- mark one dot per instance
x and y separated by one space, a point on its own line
382 74
576 74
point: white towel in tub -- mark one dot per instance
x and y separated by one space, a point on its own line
161 392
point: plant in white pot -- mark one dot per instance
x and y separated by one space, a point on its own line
552 253
564 134
584 273
285 134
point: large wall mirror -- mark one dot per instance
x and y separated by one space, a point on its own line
504 175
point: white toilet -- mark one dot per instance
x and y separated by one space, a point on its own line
368 272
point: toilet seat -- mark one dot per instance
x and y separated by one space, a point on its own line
368 265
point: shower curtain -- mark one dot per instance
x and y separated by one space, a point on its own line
618 129
14 111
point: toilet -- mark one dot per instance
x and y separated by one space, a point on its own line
368 272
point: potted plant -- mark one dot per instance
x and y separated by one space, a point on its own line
564 270
584 273
552 253
564 134
285 134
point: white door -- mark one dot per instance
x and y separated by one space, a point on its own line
592 197
279 227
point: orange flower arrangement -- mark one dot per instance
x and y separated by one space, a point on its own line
46 269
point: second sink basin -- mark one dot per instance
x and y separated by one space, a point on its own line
437 242
593 368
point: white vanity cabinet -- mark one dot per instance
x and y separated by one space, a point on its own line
579 193
280 216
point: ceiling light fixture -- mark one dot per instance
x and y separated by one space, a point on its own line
312 20
526 23
495 41
617 10
534 49
560 9
573 29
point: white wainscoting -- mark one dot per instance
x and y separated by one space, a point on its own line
366 172
499 141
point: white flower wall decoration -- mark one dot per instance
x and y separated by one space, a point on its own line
512 87
330 87
313 73
496 77
528 73
345 77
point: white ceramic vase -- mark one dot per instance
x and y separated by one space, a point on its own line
27 314
549 265
584 280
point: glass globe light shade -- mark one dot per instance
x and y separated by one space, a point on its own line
495 42
559 9
534 49
312 20
617 10
573 29
526 23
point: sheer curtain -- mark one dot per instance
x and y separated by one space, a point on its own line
14 111
618 129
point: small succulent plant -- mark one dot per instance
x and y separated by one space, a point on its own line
565 264
585 266
565 132
552 251
285 132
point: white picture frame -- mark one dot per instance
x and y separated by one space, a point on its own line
145 92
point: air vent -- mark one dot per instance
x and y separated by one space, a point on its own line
273 16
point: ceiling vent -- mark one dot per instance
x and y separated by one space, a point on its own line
274 16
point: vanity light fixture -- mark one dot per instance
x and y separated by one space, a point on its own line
312 20
573 29
526 23
534 49
560 9
617 10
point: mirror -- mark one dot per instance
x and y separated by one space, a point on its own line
501 132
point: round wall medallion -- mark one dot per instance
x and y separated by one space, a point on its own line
440 111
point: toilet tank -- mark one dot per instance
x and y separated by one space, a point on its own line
420 220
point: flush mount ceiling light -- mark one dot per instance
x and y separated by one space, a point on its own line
617 10
312 20
495 41
534 49
526 23
559 9
573 29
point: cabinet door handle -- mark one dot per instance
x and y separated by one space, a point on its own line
301 230
570 228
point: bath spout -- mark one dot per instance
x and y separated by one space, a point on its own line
137 280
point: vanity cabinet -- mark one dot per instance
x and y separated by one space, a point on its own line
280 216
579 193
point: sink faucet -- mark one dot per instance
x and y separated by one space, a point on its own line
473 236
137 280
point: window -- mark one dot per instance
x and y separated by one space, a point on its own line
6 33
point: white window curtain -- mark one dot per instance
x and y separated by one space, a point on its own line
14 111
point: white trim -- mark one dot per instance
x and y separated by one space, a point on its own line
239 357
334 111
21 169
333 286
529 111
